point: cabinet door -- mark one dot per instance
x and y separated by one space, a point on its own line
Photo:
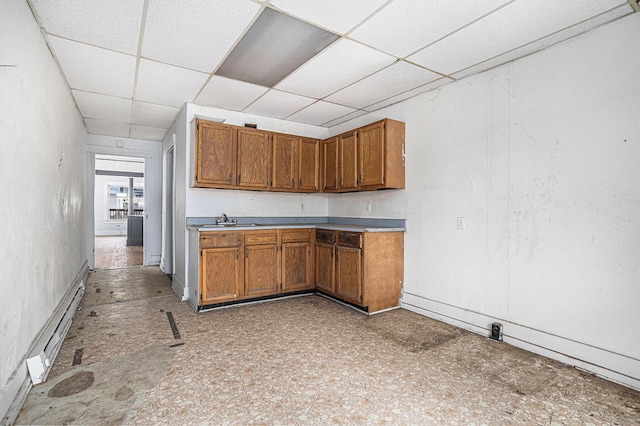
296 266
348 161
254 154
220 273
330 163
261 270
349 274
285 162
309 165
215 155
371 155
325 267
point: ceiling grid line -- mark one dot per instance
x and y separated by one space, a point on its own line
131 64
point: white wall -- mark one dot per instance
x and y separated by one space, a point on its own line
42 173
151 151
541 157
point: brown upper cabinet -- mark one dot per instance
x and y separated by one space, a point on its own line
215 155
309 165
341 162
381 155
371 157
330 170
296 164
254 149
367 158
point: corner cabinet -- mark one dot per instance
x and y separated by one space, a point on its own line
368 158
367 269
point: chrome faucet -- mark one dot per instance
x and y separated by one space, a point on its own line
225 219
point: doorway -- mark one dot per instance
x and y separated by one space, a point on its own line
118 211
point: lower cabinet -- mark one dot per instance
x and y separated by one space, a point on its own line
367 269
261 263
364 269
220 267
325 260
297 259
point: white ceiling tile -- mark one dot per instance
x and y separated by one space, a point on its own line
405 26
278 104
409 94
395 79
336 15
147 133
160 116
107 128
103 107
541 43
195 34
517 24
113 24
346 62
93 69
167 85
320 112
345 118
222 92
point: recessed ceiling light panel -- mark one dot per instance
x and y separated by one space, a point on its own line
274 47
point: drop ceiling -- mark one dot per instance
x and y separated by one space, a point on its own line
131 64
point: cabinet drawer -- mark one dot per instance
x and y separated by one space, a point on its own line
218 239
267 237
296 236
325 237
349 239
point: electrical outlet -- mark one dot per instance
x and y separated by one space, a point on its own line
461 224
496 331
367 207
301 207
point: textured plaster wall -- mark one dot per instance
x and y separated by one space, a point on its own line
540 156
42 176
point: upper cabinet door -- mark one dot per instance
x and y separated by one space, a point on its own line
309 165
215 162
371 158
348 160
330 164
254 159
284 168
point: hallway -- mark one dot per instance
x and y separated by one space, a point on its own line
135 354
113 252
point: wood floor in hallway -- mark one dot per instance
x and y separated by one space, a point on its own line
135 354
113 252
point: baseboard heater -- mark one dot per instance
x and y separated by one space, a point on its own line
48 344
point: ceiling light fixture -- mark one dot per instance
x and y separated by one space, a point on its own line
274 47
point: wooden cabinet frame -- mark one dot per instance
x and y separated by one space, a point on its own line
233 157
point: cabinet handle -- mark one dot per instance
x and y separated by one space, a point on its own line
246 253
300 186
404 155
229 179
293 183
237 256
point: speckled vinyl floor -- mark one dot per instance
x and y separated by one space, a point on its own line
298 361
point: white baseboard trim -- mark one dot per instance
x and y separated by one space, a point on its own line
48 341
179 287
609 365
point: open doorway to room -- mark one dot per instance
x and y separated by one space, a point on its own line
118 211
